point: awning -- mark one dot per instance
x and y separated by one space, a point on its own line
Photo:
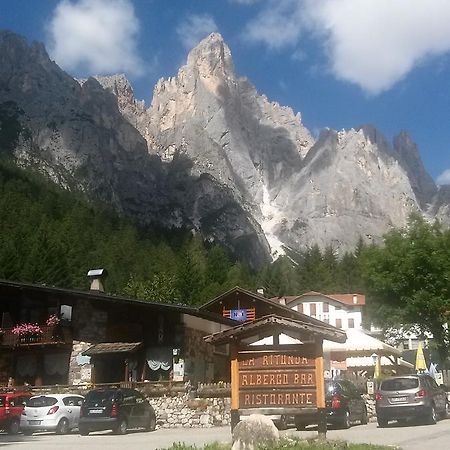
112 347
359 344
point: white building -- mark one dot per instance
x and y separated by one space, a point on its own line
340 310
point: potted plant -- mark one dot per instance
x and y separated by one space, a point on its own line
53 321
28 332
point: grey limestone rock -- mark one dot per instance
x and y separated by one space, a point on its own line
253 431
211 154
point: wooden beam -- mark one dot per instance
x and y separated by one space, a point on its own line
319 375
234 376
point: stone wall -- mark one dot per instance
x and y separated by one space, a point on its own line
80 370
185 411
90 322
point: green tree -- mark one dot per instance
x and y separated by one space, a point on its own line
409 279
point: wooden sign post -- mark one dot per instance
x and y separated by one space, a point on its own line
278 379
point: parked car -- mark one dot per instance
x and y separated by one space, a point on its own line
11 407
408 397
117 410
52 412
344 406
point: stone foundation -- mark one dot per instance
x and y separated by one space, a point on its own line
184 411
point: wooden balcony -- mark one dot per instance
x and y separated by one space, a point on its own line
50 336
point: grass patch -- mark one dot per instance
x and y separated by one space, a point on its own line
291 444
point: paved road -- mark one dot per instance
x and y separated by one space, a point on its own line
418 437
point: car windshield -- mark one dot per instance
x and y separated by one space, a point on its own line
2 400
100 397
41 402
399 384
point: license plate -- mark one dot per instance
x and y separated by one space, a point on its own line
34 422
398 399
95 411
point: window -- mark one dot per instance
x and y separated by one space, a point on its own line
326 307
399 384
72 401
41 402
338 323
312 309
351 323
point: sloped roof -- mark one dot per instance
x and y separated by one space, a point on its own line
279 309
346 299
104 298
112 347
285 324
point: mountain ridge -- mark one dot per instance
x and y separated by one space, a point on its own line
212 154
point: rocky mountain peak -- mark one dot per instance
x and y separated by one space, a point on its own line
407 153
212 57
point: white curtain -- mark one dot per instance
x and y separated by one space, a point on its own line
159 358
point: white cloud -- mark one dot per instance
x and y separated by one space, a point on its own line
95 37
278 25
194 28
371 43
444 177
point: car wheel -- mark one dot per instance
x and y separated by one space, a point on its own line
282 423
63 426
345 421
432 417
121 427
364 418
151 426
83 431
447 410
14 427
382 423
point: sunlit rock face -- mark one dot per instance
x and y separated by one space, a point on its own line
212 154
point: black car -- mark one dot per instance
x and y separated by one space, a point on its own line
117 410
344 406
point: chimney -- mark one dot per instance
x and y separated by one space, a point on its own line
97 277
355 299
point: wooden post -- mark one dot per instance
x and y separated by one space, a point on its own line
234 385
320 390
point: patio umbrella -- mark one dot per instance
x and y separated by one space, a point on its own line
421 364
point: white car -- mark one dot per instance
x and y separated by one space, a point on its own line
52 412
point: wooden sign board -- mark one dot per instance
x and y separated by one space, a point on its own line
277 380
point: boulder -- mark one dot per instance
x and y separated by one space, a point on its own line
254 431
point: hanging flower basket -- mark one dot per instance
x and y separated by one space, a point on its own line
28 333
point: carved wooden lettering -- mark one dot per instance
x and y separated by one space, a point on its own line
274 361
288 378
279 398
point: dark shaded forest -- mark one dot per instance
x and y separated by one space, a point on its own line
51 236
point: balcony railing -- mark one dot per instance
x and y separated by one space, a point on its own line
50 335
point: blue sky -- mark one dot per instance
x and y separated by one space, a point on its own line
341 63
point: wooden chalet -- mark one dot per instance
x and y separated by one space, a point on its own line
101 338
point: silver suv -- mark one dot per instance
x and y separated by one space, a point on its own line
408 397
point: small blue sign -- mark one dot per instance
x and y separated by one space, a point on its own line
238 314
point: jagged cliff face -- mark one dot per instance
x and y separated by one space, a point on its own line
349 184
212 154
75 133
